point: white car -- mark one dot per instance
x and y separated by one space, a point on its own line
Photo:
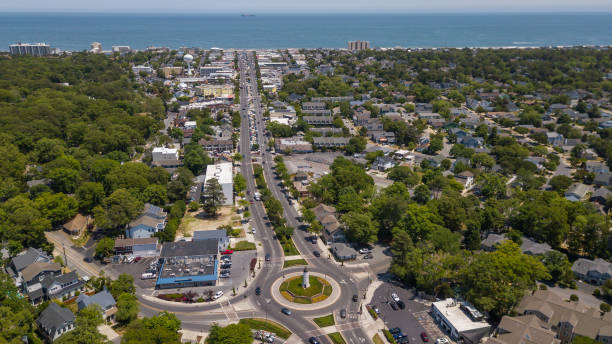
395 297
441 341
364 250
253 231
217 295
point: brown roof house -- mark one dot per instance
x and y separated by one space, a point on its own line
332 230
76 225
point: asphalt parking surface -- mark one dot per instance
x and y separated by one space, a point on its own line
405 319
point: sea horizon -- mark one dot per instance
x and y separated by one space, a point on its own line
76 30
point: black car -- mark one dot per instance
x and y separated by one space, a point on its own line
368 256
393 305
343 313
401 304
258 291
286 311
355 298
88 259
395 330
316 253
313 340
267 257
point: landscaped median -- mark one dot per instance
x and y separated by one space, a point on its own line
292 290
267 325
325 321
294 262
336 338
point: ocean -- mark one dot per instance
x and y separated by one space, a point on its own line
75 31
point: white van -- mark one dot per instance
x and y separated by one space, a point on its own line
147 275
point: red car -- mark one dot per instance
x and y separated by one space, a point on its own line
137 259
227 252
424 337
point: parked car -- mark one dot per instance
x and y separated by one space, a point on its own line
368 256
343 313
88 259
225 274
355 298
258 291
424 337
393 305
441 341
395 330
364 250
218 294
227 252
401 304
375 309
137 259
286 311
316 253
267 257
395 297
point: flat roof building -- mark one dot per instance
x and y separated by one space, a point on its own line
461 320
188 264
223 173
358 45
163 153
33 49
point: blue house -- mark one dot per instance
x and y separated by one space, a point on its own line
151 221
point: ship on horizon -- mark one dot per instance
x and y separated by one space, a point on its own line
247 15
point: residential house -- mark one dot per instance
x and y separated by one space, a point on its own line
491 242
343 252
217 145
382 137
466 178
374 124
576 192
318 120
361 119
302 188
383 163
38 271
104 300
603 179
313 106
523 329
470 141
330 142
595 271
531 247
25 259
566 318
77 225
600 196
332 231
597 167
63 286
55 321
554 138
151 221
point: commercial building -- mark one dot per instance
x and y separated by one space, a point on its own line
163 153
358 45
208 70
218 234
188 264
216 91
330 142
33 49
121 49
138 247
96 48
142 68
223 174
293 144
169 72
461 320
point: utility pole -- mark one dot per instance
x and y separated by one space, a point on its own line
65 257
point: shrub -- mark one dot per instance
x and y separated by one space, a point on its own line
574 297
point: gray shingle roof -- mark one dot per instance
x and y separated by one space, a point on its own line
21 261
104 299
214 234
55 317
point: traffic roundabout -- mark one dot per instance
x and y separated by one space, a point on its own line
321 291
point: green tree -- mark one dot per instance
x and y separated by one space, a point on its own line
105 247
403 174
239 183
560 183
230 334
58 208
160 329
117 210
558 266
89 195
124 284
360 227
196 159
422 194
156 194
496 281
212 197
127 308
492 185
356 145
64 179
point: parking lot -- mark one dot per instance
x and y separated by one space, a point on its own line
405 319
239 271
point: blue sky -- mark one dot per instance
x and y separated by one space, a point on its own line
310 6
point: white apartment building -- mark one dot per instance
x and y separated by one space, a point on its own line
163 153
223 173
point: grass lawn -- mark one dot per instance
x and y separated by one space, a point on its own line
294 285
267 325
244 246
289 248
294 262
336 338
377 340
325 321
